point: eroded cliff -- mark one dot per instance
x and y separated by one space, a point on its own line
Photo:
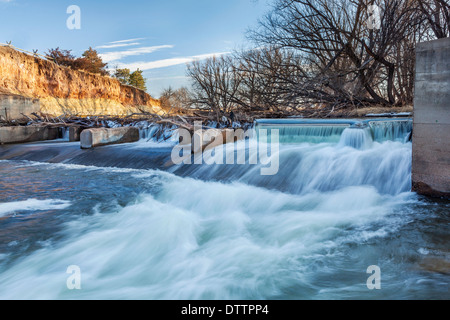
57 90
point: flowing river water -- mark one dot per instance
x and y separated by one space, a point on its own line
140 228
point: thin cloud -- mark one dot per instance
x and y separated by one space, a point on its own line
129 40
168 62
117 55
118 45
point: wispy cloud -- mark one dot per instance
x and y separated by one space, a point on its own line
118 45
149 65
117 55
129 40
168 62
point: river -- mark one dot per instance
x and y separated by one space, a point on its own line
138 227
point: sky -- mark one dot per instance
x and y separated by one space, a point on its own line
157 36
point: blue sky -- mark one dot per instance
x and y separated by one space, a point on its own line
157 36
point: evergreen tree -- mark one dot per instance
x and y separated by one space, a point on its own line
137 80
123 75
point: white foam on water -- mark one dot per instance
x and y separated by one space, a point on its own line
143 143
81 167
252 238
213 241
9 208
322 167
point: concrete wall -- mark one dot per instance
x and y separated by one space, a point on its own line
431 133
9 135
12 106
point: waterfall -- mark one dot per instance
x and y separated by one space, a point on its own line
310 134
64 133
391 130
306 168
140 227
152 132
314 155
149 132
358 138
331 131
349 157
304 131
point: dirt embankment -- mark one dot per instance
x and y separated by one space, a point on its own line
63 91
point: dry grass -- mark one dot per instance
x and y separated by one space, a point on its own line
362 112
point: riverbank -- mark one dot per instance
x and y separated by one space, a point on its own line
29 84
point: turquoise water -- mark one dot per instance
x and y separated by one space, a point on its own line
140 228
317 131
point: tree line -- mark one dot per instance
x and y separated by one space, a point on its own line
308 53
90 61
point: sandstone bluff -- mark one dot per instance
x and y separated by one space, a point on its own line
30 84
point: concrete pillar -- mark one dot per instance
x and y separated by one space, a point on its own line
214 137
75 133
10 135
431 132
91 138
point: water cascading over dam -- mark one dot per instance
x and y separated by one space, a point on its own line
139 227
316 131
323 155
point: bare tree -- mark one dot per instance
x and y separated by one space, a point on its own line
323 52
176 100
349 61
267 76
215 84
437 15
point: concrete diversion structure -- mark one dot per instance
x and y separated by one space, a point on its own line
431 132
